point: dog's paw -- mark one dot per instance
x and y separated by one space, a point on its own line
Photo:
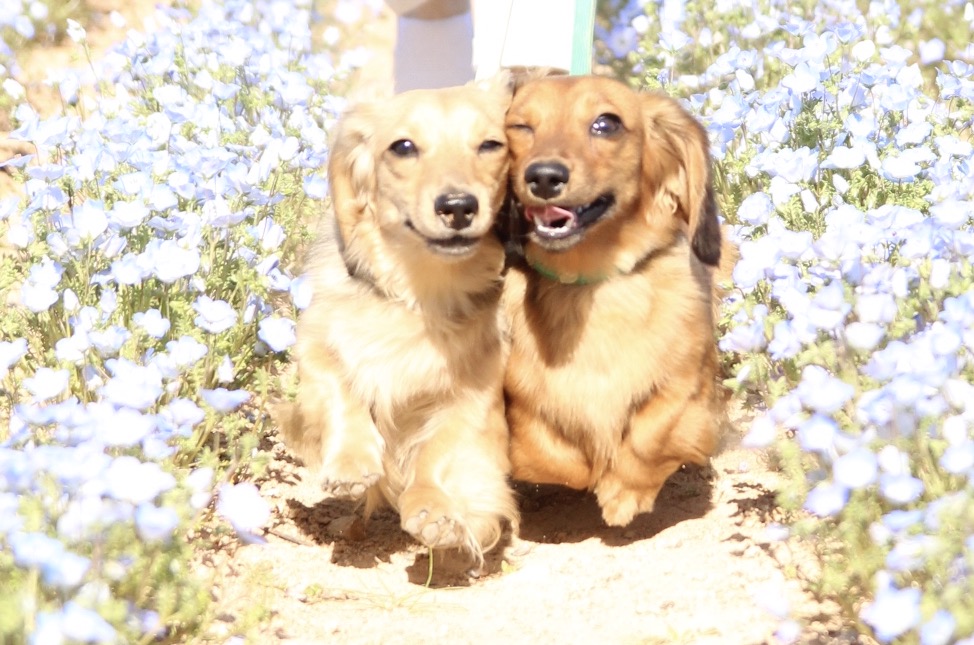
434 529
433 519
621 504
350 477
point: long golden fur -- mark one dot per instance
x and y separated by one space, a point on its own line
611 383
400 352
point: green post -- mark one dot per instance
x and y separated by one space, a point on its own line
582 36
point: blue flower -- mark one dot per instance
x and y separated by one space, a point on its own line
844 157
939 629
152 322
121 426
863 336
47 383
818 434
315 187
223 400
278 333
154 523
131 385
301 290
893 612
170 261
130 480
900 489
826 499
186 351
11 351
243 507
821 392
761 434
81 624
856 469
215 316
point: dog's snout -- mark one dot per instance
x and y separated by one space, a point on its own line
457 210
546 179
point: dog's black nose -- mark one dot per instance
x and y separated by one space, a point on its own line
546 179
456 209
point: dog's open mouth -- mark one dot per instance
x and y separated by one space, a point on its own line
557 222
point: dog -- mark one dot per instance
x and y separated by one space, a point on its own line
400 353
611 384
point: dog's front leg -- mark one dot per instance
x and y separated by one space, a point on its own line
677 425
331 430
457 494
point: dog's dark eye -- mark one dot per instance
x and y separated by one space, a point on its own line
521 127
490 145
606 125
404 148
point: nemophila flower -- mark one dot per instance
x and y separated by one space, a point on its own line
244 508
200 482
186 351
75 31
129 480
182 412
863 336
170 261
958 458
215 316
47 383
87 515
826 499
223 400
37 292
85 625
817 434
155 523
278 333
939 629
855 469
131 385
755 209
785 343
821 392
108 342
11 351
829 307
761 434
120 426
893 612
301 290
315 187
89 220
225 372
845 157
152 322
34 550
900 488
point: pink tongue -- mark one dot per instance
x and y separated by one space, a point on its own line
548 215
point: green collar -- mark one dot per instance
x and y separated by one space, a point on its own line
552 275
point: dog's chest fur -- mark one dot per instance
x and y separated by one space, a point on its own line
594 353
394 354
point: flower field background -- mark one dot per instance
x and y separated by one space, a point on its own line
150 271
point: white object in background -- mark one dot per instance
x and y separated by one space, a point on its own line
440 44
525 33
433 53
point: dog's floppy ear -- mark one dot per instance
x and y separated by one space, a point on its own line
351 168
670 130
